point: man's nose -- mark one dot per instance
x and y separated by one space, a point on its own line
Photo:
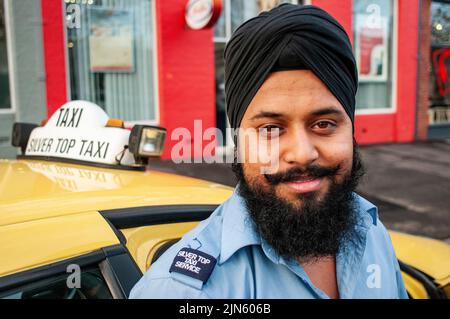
299 149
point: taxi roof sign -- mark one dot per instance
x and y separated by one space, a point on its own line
78 131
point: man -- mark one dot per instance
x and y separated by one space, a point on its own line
298 231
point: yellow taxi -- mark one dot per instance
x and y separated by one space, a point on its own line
82 216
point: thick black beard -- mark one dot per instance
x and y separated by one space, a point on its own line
313 230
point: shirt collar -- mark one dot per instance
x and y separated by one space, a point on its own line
239 230
364 206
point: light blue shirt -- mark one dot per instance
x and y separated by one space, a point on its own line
248 267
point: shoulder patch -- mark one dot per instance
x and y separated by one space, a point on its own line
193 263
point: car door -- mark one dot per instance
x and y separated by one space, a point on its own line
147 232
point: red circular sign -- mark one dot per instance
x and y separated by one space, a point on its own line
202 14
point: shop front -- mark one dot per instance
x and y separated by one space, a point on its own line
22 73
439 85
141 62
6 111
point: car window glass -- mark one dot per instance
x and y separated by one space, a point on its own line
91 286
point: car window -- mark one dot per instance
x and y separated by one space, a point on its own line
91 286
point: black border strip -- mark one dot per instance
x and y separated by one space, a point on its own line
125 271
118 233
432 290
140 168
152 215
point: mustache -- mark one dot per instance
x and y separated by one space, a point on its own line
295 173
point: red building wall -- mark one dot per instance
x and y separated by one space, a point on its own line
54 55
341 10
185 72
407 57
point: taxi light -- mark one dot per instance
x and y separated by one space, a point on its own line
21 133
115 123
146 141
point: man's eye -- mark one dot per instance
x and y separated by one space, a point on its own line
324 125
270 130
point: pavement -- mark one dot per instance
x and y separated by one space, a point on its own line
410 184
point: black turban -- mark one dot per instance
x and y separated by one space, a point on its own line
285 38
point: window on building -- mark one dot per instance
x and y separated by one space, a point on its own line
5 100
234 13
373 38
439 97
110 49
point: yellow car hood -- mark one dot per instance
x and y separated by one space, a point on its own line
430 256
31 190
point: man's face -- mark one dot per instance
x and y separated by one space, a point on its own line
313 131
304 208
